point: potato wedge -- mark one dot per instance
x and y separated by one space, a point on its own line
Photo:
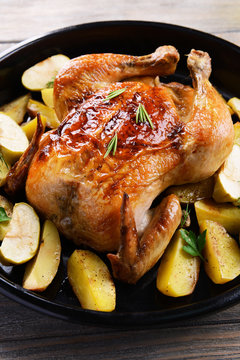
227 185
178 272
91 281
221 252
41 270
30 126
13 141
35 107
47 96
17 108
41 74
225 214
190 193
21 241
8 207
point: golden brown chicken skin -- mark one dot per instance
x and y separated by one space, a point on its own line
71 182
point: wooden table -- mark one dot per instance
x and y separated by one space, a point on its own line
26 334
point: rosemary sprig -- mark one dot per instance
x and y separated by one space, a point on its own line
185 215
114 93
195 244
142 115
112 146
3 215
50 84
3 160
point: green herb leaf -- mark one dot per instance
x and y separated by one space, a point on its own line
185 215
112 146
50 83
114 93
3 160
142 115
195 244
3 215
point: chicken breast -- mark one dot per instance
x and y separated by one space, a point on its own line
186 136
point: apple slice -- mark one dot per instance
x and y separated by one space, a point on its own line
4 225
40 76
17 108
41 270
13 141
21 241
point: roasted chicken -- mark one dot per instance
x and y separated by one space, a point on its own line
104 201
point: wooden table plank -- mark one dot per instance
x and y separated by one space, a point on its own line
32 18
30 335
26 334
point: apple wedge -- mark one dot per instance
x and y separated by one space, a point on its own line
8 208
17 108
21 241
91 281
227 185
40 76
13 141
41 270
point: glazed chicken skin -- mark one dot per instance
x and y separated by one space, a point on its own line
104 201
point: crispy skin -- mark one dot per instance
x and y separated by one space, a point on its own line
70 181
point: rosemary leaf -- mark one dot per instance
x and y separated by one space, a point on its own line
112 146
50 84
114 93
142 115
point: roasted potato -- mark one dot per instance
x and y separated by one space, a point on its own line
234 104
35 107
30 126
221 252
91 281
225 214
47 96
21 241
178 272
190 193
41 270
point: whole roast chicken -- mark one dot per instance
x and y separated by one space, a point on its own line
125 137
